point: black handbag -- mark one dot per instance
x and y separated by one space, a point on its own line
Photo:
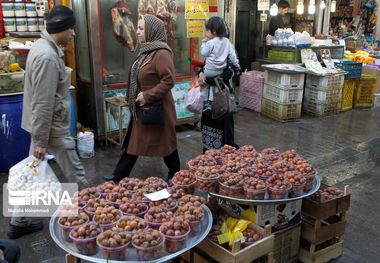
152 114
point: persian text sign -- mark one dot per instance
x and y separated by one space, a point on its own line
197 9
195 28
263 5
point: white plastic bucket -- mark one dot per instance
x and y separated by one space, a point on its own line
9 24
30 8
21 24
32 24
8 8
20 9
41 24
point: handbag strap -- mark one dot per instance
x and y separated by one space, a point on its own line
217 83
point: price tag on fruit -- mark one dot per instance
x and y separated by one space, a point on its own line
159 195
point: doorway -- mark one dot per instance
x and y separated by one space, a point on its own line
246 33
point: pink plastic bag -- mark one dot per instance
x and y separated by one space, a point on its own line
194 99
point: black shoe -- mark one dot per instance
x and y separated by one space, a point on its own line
18 231
170 182
112 178
108 177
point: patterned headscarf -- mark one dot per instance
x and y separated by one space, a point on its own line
155 37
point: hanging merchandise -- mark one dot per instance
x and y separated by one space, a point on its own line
333 6
311 8
123 27
300 8
323 4
273 10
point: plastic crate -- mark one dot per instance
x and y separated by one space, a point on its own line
363 94
348 94
281 112
252 82
353 68
283 95
323 96
320 109
376 100
250 102
288 80
280 55
325 82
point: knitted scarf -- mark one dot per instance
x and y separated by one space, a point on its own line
155 37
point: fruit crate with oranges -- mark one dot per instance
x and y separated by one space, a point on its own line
281 112
364 91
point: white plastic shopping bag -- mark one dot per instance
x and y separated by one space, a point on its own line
194 100
86 144
32 174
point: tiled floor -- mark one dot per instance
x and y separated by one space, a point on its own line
344 148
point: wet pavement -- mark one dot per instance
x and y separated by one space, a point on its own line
344 148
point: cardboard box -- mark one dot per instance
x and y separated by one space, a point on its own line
374 72
280 216
258 249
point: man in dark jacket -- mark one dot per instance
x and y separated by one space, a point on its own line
278 21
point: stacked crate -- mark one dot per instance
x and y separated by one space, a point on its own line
323 225
286 245
364 92
323 94
351 79
282 95
251 90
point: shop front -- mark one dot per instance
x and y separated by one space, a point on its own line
104 55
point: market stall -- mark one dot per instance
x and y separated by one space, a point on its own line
243 187
106 46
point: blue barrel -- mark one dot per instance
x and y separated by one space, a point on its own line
73 116
14 141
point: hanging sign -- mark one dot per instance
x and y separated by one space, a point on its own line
195 28
263 17
213 6
197 9
263 5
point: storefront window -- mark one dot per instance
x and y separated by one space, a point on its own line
182 43
118 58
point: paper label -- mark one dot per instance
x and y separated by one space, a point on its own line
195 28
263 17
159 195
196 9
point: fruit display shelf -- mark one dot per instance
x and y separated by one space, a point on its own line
316 185
131 255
